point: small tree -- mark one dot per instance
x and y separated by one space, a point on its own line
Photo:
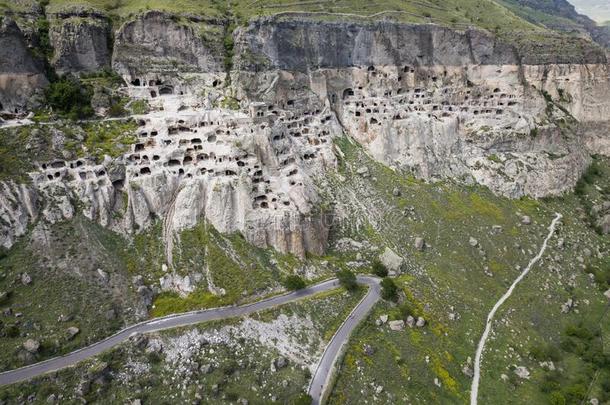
70 97
347 279
294 283
379 269
389 290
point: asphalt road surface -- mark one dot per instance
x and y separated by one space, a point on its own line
320 378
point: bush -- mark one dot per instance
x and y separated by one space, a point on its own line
557 398
545 352
117 110
389 290
347 279
379 269
579 331
294 283
70 98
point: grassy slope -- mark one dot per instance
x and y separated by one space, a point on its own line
62 261
234 374
487 13
451 273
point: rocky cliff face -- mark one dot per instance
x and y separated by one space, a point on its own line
244 154
442 104
21 75
81 42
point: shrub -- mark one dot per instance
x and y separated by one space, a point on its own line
579 331
294 283
139 107
379 269
347 279
117 110
389 290
557 398
545 352
69 97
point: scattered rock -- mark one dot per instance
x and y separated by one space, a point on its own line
368 350
391 260
526 220
437 382
64 318
110 314
522 372
567 306
280 362
83 388
206 368
473 242
31 345
607 293
72 332
363 171
467 370
138 281
26 279
397 325
378 389
420 244
103 275
396 192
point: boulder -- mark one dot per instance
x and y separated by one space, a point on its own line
473 242
421 322
280 362
522 372
526 220
396 192
391 260
397 325
26 279
383 318
410 321
72 332
420 244
31 345
363 171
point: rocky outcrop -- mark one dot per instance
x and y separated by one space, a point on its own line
304 45
244 154
156 44
18 208
438 103
80 41
21 75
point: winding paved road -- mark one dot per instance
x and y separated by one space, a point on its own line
322 377
319 380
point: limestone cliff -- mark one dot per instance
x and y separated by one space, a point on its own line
80 41
243 149
21 75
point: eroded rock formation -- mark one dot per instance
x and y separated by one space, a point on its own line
243 150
